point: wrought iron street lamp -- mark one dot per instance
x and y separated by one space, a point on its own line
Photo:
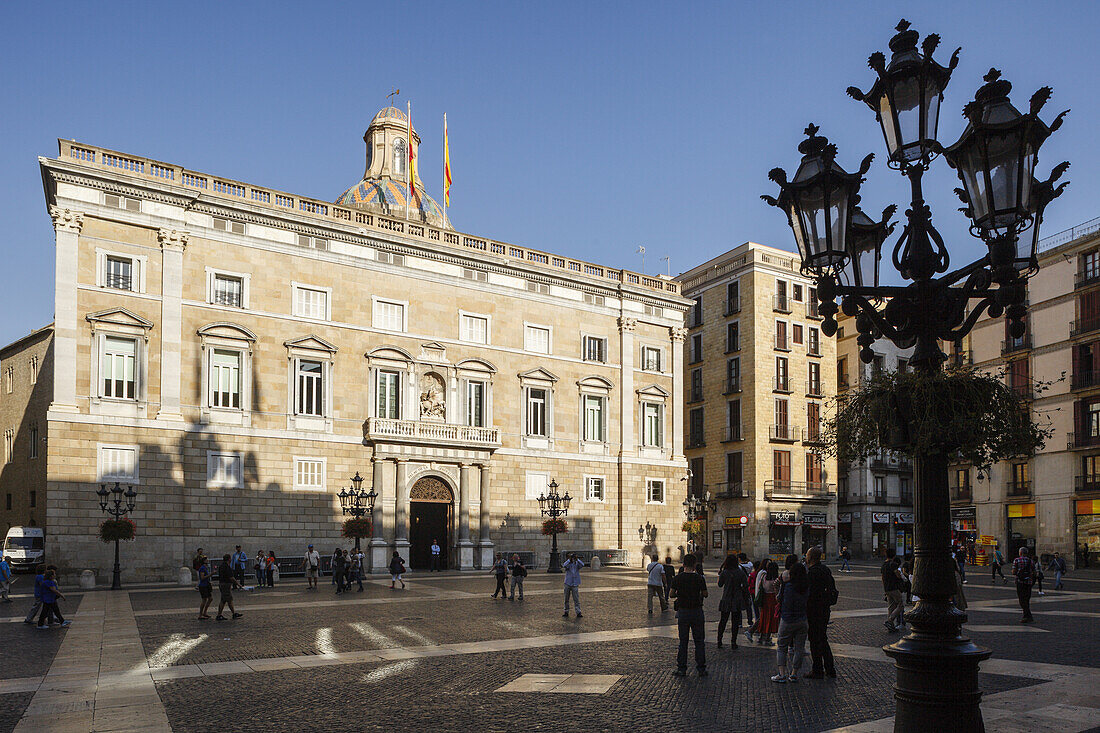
995 158
357 502
555 506
694 508
118 504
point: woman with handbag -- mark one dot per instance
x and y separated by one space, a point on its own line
768 583
732 579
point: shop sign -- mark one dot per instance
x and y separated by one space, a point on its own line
904 517
1016 511
1088 506
733 522
814 518
845 518
784 519
880 517
964 512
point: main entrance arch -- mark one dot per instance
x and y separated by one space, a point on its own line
431 516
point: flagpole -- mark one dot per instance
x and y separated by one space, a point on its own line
444 170
408 160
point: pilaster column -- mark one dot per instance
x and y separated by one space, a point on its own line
464 503
67 225
627 327
172 245
401 513
677 334
378 536
485 543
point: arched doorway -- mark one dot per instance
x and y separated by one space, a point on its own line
431 511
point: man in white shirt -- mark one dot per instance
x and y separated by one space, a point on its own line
436 553
312 565
655 586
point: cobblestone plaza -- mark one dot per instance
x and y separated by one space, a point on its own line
444 655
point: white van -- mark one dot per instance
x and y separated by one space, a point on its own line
25 547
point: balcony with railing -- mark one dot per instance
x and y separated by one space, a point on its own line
813 389
732 490
813 436
1081 440
891 463
799 491
781 304
695 439
734 433
1085 279
1085 379
962 494
696 393
783 433
733 385
423 431
733 305
1087 484
1018 488
1009 346
1081 326
781 384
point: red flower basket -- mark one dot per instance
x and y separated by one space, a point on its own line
357 529
554 526
117 529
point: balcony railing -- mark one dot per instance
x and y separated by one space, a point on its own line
733 345
1081 440
695 440
813 436
813 389
733 385
1024 342
782 303
732 490
415 431
782 343
784 433
962 493
733 305
1085 380
798 490
813 349
1085 279
781 384
879 463
1023 391
733 433
842 383
1084 325
1018 488
811 310
1087 483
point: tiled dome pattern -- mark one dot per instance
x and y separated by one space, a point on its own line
388 192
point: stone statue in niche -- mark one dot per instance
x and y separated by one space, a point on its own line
432 397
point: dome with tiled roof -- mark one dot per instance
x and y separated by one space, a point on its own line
384 187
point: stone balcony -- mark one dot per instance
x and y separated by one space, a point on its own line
427 431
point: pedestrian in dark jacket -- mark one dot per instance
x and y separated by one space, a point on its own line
734 582
397 569
822 596
339 568
670 573
791 644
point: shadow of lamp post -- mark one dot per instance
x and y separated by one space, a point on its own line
555 506
356 502
841 247
118 504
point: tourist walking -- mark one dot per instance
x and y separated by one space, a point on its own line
655 584
1038 566
258 565
960 558
332 566
893 586
746 601
845 560
437 552
670 573
227 581
572 568
339 567
397 569
272 567
311 564
997 567
1023 569
734 582
5 579
40 575
1058 567
500 569
822 596
689 588
206 593
519 572
358 561
50 594
198 559
791 643
767 585
238 563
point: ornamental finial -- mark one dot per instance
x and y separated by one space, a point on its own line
903 25
992 75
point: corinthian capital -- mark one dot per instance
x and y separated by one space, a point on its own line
678 333
66 220
628 325
172 239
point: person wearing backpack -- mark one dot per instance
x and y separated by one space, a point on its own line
822 597
997 565
1058 567
519 572
500 569
1024 570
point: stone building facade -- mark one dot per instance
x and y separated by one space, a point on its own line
758 374
26 379
238 353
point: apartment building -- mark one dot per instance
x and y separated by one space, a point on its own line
758 372
26 379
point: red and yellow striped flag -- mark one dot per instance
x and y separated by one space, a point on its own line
446 165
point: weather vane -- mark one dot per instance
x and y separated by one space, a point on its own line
393 94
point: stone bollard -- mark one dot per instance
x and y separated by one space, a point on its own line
596 562
87 580
184 576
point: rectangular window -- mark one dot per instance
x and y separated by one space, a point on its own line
814 341
475 404
733 420
223 470
116 368
33 452
9 379
781 335
389 315
654 491
311 303
9 445
878 365
474 329
225 379
594 348
796 292
814 379
34 370
782 414
880 488
389 395
118 463
695 428
536 412
119 273
813 421
796 333
733 297
733 341
593 419
228 290
903 365
842 373
735 467
733 375
696 386
7 502
782 375
1090 265
536 485
697 312
593 488
651 359
311 391
813 469
309 473
536 339
697 348
781 468
652 425
905 489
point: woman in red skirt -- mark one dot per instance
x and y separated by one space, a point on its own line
769 615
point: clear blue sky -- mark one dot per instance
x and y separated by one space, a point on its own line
585 128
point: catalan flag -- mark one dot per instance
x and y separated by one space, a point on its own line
446 165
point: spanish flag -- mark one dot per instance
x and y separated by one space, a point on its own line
446 165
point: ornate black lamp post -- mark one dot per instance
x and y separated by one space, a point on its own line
357 502
111 501
554 505
694 507
937 668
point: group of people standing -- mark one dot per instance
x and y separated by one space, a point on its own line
502 569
